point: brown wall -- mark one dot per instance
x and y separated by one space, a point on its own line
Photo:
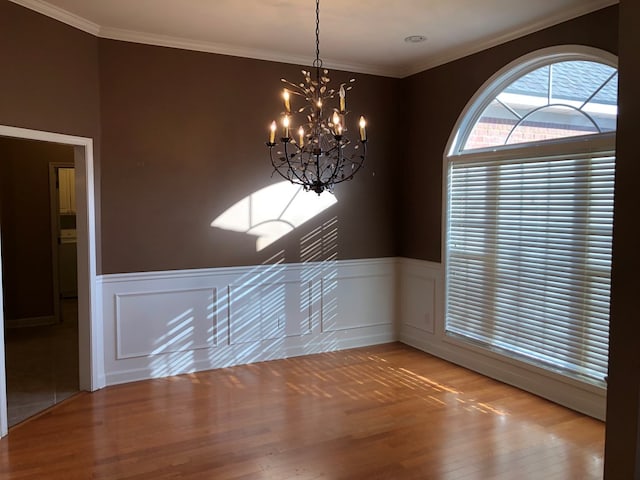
25 224
622 456
434 100
184 139
49 78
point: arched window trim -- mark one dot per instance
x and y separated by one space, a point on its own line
509 73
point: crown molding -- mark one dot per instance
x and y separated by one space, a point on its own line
196 45
61 15
466 50
85 25
88 26
232 50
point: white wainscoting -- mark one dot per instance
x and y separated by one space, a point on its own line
421 311
167 323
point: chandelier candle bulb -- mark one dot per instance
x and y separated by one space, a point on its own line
343 100
363 131
272 133
301 135
337 125
285 126
287 103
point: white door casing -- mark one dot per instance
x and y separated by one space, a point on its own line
91 356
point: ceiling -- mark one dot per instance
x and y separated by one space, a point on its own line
364 36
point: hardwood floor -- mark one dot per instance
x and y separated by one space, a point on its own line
383 412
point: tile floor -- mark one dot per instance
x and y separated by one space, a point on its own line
42 365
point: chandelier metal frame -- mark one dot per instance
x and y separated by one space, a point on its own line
320 155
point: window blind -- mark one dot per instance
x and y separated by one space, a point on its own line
529 258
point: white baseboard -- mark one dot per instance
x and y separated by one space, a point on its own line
30 321
167 323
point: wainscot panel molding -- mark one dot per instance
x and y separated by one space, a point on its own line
152 323
421 318
167 323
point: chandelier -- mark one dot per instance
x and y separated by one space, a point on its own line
318 154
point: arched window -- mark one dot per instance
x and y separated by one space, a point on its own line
529 212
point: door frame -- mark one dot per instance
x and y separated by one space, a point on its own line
91 349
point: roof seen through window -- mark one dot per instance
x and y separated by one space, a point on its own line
558 100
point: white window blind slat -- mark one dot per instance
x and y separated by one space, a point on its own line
529 258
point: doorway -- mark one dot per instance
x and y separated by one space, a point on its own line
90 349
37 218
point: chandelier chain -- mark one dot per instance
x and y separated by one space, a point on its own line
317 63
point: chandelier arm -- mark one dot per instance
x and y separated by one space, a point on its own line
318 173
308 172
359 165
337 163
278 168
332 149
363 157
292 169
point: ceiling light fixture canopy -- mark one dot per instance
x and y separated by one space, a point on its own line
319 154
415 39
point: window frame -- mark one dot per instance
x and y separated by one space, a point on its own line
504 77
600 143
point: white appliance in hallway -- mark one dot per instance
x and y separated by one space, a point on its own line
66 232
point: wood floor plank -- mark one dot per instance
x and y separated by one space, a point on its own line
382 412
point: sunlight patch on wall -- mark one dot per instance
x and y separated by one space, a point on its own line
272 212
